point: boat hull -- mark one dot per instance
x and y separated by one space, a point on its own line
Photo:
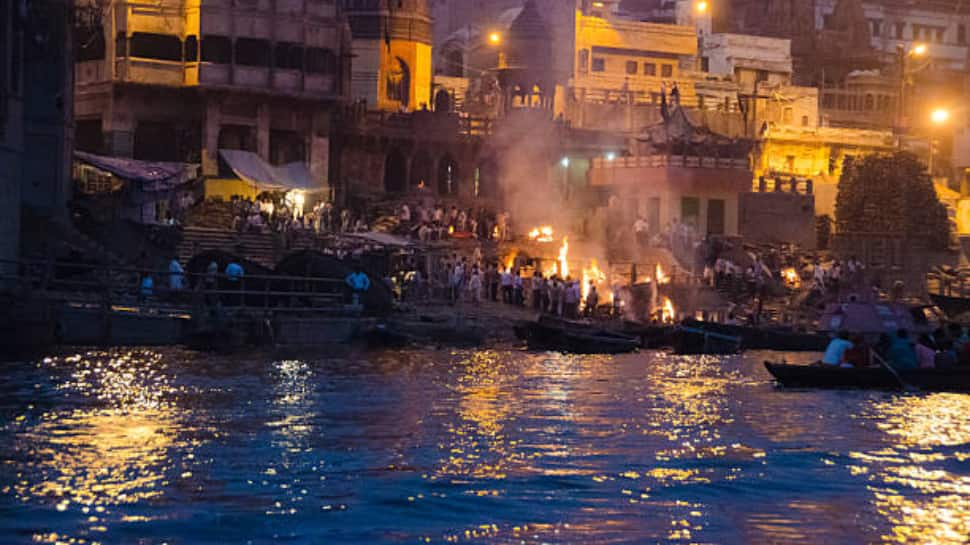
573 339
955 379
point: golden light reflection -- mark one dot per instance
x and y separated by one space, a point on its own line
912 487
113 450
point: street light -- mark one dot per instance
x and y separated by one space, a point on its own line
701 6
939 117
918 50
495 38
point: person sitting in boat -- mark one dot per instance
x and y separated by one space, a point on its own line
836 350
859 355
925 353
902 353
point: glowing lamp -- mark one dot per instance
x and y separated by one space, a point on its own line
940 116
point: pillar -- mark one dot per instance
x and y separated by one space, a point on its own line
262 131
211 120
118 128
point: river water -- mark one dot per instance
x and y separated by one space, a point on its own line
149 447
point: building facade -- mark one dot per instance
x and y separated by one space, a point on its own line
392 53
11 132
178 80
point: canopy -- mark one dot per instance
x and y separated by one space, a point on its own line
252 169
152 175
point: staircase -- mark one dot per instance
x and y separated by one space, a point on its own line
262 248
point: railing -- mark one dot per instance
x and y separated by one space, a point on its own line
111 286
682 161
779 184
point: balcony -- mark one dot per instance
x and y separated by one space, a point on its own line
251 76
213 74
319 84
150 71
290 81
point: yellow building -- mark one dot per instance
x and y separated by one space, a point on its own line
392 53
818 154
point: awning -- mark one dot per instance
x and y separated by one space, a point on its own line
152 175
252 169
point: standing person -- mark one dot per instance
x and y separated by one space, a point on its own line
475 285
211 281
642 231
176 276
518 289
457 281
557 297
570 299
507 282
359 284
538 288
234 275
592 301
491 282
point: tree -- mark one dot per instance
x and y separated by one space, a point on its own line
891 195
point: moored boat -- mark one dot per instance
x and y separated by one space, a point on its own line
956 379
767 338
573 338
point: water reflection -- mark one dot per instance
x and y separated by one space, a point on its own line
108 446
469 447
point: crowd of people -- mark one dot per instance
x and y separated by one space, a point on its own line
433 222
463 279
945 348
270 212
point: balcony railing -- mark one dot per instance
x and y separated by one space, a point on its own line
676 161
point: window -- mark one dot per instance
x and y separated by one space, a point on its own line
191 48
666 70
289 56
216 49
761 76
790 163
939 34
876 27
649 69
705 64
870 103
631 68
787 116
804 121
962 34
320 61
163 47
599 64
88 42
900 30
583 61
121 45
252 52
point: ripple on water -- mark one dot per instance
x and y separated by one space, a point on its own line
469 447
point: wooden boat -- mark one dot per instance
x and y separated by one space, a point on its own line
956 379
756 338
573 337
693 341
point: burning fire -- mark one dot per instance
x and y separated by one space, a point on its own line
668 314
451 229
592 275
564 258
510 260
661 277
542 234
791 278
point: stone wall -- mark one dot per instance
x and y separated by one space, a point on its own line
778 217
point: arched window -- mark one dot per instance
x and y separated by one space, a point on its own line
398 84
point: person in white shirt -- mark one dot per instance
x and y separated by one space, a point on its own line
506 282
642 231
475 285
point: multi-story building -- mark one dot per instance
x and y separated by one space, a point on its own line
179 80
392 53
11 132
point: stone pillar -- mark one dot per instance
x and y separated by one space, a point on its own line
211 121
262 131
118 127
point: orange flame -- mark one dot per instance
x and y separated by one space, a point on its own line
510 260
661 277
667 311
791 277
542 234
564 258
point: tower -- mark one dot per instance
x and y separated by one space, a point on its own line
391 68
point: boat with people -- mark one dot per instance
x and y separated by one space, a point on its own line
953 379
573 337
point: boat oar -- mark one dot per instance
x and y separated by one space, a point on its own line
905 385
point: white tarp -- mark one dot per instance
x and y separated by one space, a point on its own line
252 169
